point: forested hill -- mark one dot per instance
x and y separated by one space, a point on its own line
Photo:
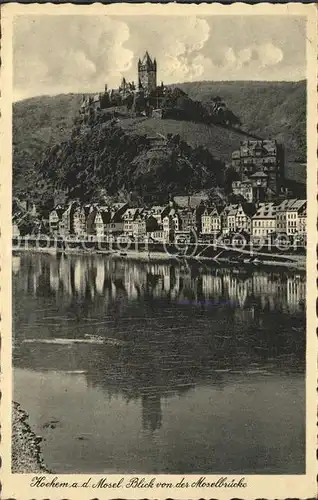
265 109
276 109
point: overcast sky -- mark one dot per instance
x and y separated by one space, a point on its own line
58 54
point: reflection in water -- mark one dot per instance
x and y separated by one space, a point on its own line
181 332
82 277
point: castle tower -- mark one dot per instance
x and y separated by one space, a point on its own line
147 74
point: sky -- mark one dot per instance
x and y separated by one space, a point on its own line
61 54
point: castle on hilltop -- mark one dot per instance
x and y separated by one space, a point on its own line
147 74
147 79
127 92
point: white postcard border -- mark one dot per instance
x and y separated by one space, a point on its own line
267 486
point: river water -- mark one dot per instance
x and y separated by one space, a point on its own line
183 369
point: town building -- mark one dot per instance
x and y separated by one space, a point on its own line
79 221
302 221
254 189
264 221
128 218
116 224
139 229
243 188
66 225
292 216
159 212
55 218
237 218
211 221
194 201
265 156
171 224
228 218
144 225
102 219
91 222
188 220
287 216
243 219
157 234
190 209
28 206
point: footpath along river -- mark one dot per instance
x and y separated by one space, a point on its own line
144 367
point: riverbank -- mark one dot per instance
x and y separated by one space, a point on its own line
26 452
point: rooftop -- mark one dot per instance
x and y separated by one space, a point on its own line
190 201
291 204
265 211
259 174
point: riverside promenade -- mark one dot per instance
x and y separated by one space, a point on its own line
217 253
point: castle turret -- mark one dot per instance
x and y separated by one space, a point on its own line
147 74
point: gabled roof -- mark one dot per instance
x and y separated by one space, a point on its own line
291 205
117 217
91 217
140 216
105 215
186 211
119 205
259 174
258 147
298 204
215 210
233 210
207 211
265 211
172 214
157 208
232 207
132 212
151 219
249 208
72 206
58 210
88 208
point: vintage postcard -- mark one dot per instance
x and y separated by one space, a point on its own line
158 251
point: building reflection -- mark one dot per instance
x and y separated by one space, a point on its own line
177 326
86 278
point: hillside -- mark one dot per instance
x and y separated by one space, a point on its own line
38 123
265 109
220 141
276 109
103 159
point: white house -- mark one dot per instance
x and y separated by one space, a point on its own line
264 221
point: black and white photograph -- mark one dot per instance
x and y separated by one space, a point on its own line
160 233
